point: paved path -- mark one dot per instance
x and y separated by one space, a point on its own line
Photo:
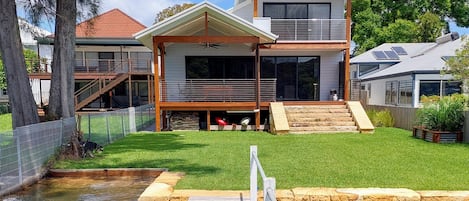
216 198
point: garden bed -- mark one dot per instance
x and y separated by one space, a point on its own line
437 136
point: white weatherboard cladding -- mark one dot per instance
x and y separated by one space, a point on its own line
337 6
244 11
175 62
378 89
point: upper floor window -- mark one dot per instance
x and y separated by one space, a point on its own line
297 10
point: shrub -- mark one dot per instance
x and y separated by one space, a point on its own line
381 118
4 108
446 114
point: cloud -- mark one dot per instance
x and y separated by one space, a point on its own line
143 11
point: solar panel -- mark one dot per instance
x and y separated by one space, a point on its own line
379 55
391 55
399 50
446 58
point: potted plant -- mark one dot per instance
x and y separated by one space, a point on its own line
441 118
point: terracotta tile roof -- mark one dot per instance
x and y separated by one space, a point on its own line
111 24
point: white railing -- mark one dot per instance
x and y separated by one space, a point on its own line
268 182
309 29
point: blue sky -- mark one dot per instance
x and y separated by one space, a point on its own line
145 11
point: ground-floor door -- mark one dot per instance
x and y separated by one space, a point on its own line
297 77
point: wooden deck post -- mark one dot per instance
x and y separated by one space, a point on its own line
347 51
208 120
156 85
258 89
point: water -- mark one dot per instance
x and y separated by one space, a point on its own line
84 188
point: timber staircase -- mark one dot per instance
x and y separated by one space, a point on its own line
95 89
320 119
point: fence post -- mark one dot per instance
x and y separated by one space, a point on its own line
61 131
89 126
253 173
269 189
107 129
122 123
20 164
132 127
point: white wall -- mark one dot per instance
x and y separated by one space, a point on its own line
378 89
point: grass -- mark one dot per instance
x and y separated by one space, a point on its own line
220 160
5 122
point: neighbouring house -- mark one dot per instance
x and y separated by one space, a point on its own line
28 35
221 66
400 74
112 69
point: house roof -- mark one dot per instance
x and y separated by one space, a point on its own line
191 22
427 61
111 24
412 49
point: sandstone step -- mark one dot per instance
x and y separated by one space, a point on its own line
323 128
322 123
318 110
315 106
318 119
321 114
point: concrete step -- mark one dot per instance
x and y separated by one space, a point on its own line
322 123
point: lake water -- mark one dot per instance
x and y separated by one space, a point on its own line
84 188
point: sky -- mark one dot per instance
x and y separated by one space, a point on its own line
145 11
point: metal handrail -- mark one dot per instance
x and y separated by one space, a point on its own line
217 90
269 184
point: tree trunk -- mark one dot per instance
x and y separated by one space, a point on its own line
23 106
61 100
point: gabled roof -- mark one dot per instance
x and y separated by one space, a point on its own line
111 24
412 49
192 21
428 61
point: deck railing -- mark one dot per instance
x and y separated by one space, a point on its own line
268 183
96 65
217 90
309 29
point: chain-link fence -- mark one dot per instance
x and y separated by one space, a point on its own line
106 127
24 151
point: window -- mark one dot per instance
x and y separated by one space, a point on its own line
439 88
367 68
297 77
297 10
219 67
391 93
405 92
4 92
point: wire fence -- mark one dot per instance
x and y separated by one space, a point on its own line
24 152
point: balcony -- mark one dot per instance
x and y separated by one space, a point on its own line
217 90
309 29
102 66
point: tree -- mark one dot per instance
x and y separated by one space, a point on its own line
170 11
61 98
23 106
458 66
429 16
3 79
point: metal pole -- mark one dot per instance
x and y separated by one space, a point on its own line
89 126
20 165
107 130
253 173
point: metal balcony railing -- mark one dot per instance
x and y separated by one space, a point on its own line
217 90
309 29
113 65
95 65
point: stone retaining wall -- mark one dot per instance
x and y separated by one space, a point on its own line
184 121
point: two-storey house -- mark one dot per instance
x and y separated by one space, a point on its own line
219 66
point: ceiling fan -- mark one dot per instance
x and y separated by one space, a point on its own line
210 45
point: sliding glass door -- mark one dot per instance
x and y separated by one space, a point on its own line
297 77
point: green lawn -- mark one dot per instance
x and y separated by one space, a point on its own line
5 122
220 160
